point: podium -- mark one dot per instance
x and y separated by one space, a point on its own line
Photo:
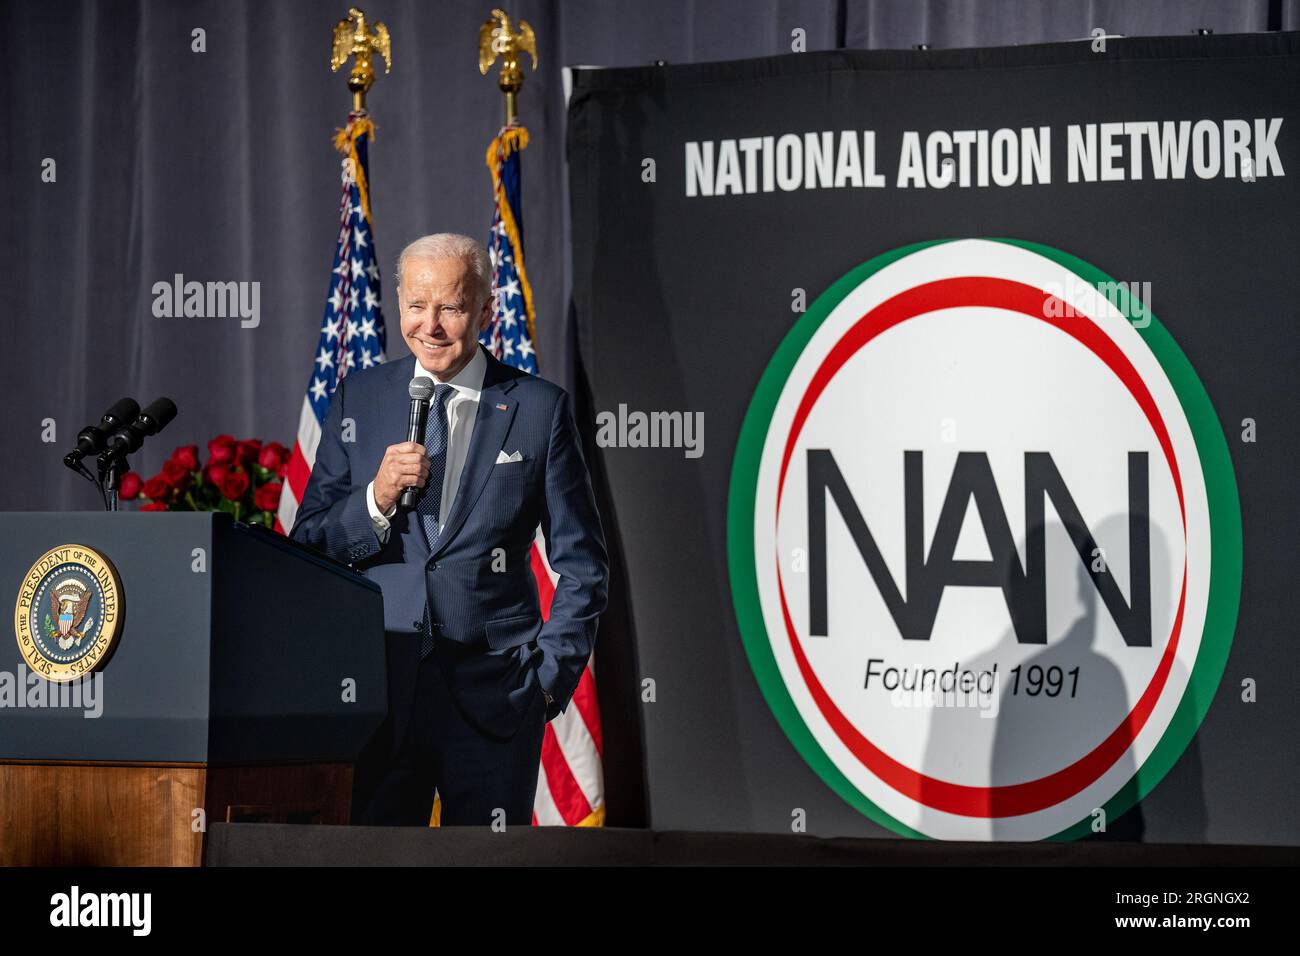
245 676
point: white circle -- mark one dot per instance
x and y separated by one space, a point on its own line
993 385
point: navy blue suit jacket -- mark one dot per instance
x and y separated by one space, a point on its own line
477 581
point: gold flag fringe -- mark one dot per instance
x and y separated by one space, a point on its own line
345 141
511 139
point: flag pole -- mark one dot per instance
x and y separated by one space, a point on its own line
571 776
355 336
496 39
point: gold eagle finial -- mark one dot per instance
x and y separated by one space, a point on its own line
352 39
497 39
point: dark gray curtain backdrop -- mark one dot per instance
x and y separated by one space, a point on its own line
217 165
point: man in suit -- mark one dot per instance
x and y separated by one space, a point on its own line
474 673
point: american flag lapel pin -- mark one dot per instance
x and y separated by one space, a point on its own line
501 407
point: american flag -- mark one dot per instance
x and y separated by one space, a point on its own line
571 780
352 334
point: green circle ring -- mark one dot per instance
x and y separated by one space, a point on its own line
1225 535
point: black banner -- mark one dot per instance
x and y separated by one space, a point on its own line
946 401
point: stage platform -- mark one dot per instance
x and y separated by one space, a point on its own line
269 844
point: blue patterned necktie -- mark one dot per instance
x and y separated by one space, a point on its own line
429 507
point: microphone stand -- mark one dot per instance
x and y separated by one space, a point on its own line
110 480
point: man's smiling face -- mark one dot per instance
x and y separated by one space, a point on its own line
441 313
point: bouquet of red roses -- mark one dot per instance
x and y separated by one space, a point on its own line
242 478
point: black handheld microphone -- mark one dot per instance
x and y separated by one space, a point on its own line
421 391
92 439
155 417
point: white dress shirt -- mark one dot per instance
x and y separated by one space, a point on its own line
462 409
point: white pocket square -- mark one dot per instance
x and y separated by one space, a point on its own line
504 459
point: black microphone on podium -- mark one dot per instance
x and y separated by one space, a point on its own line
92 439
156 416
421 392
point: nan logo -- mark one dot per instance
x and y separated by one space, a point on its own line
103 909
951 483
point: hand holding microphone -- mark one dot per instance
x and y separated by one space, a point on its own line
405 467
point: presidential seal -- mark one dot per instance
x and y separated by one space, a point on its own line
69 612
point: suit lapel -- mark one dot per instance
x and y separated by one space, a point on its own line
400 372
496 410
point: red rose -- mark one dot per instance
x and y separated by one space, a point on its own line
221 449
130 486
154 506
187 455
156 488
267 498
247 451
215 473
233 484
273 456
177 475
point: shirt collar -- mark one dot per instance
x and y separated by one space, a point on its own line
468 381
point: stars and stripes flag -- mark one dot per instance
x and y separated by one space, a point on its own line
571 780
352 334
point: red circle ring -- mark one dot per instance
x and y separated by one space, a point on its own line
942 795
